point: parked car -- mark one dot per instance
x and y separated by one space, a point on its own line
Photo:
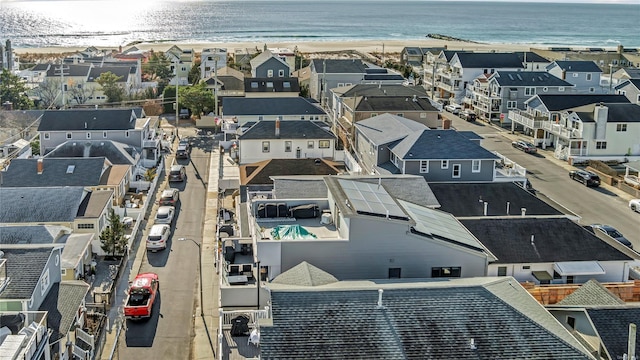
468 115
634 205
611 231
177 173
169 197
453 108
525 146
183 151
165 214
588 178
184 114
158 237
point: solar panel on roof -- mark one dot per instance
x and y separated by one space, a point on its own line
519 77
371 199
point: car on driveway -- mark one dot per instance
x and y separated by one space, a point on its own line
177 173
169 197
588 178
525 146
453 108
611 231
165 214
634 205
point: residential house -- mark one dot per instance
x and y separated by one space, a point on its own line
28 337
212 60
285 54
129 77
533 61
291 139
128 126
76 256
431 65
72 78
227 83
246 110
271 87
542 113
584 75
631 89
388 144
603 57
242 58
19 149
181 63
550 250
35 75
32 271
625 73
268 65
116 153
464 67
491 97
95 173
415 56
483 317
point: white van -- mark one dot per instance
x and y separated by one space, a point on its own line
158 237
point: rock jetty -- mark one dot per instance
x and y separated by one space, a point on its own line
449 38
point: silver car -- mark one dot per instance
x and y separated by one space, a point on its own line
165 214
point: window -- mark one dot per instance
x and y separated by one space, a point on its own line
270 84
310 144
88 135
393 158
601 145
621 127
266 145
44 282
588 77
340 84
85 226
323 144
286 84
281 73
424 166
502 271
254 84
260 118
638 98
592 89
269 73
569 279
68 135
400 114
104 134
63 272
446 271
444 164
287 146
423 115
561 89
529 91
526 267
301 117
475 166
374 114
571 321
394 273
47 136
512 104
545 89
575 74
455 173
126 134
556 275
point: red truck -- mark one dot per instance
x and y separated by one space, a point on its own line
141 296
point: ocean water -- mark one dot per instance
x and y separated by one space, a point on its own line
80 23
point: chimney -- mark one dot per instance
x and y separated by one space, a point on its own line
278 127
380 291
40 166
564 75
600 115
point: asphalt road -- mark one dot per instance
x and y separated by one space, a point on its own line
169 332
593 205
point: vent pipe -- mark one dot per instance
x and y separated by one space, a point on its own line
380 291
508 204
486 206
533 237
523 211
472 344
278 127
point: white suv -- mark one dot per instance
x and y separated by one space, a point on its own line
453 108
158 237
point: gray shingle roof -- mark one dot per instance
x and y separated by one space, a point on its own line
338 66
122 72
563 102
555 240
591 293
385 128
528 78
305 187
289 129
40 205
618 113
73 70
432 322
305 274
24 268
269 106
463 200
381 90
260 173
612 324
394 104
260 85
36 234
87 119
62 304
440 144
530 56
93 204
117 153
376 77
24 172
477 60
634 82
576 66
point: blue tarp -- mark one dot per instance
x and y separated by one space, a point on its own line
291 232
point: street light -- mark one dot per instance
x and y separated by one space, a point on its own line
177 106
199 270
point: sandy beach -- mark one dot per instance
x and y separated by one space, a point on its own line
373 46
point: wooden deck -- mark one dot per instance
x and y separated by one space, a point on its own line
237 347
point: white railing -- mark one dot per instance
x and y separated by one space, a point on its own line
528 120
351 164
254 316
561 131
508 169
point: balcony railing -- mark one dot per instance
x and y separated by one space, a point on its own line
526 119
508 170
560 130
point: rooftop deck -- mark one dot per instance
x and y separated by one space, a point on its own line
313 226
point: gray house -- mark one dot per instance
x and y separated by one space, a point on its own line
268 65
33 272
127 126
272 108
388 144
271 87
631 89
584 75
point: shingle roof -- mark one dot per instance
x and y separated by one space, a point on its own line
116 153
476 60
304 187
87 119
437 144
591 293
305 274
555 240
57 172
260 173
386 128
563 102
463 199
40 205
289 129
264 57
122 72
634 82
24 267
612 325
617 113
228 82
528 78
576 66
388 76
74 249
73 70
380 90
434 321
269 106
32 234
271 85
393 104
338 66
94 203
62 304
530 56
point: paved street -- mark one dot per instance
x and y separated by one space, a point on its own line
549 176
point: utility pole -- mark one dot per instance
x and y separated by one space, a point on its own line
177 106
610 76
323 84
215 89
62 69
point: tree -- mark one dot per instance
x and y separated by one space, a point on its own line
112 237
12 89
110 87
194 73
80 92
35 147
48 91
304 91
197 98
158 66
